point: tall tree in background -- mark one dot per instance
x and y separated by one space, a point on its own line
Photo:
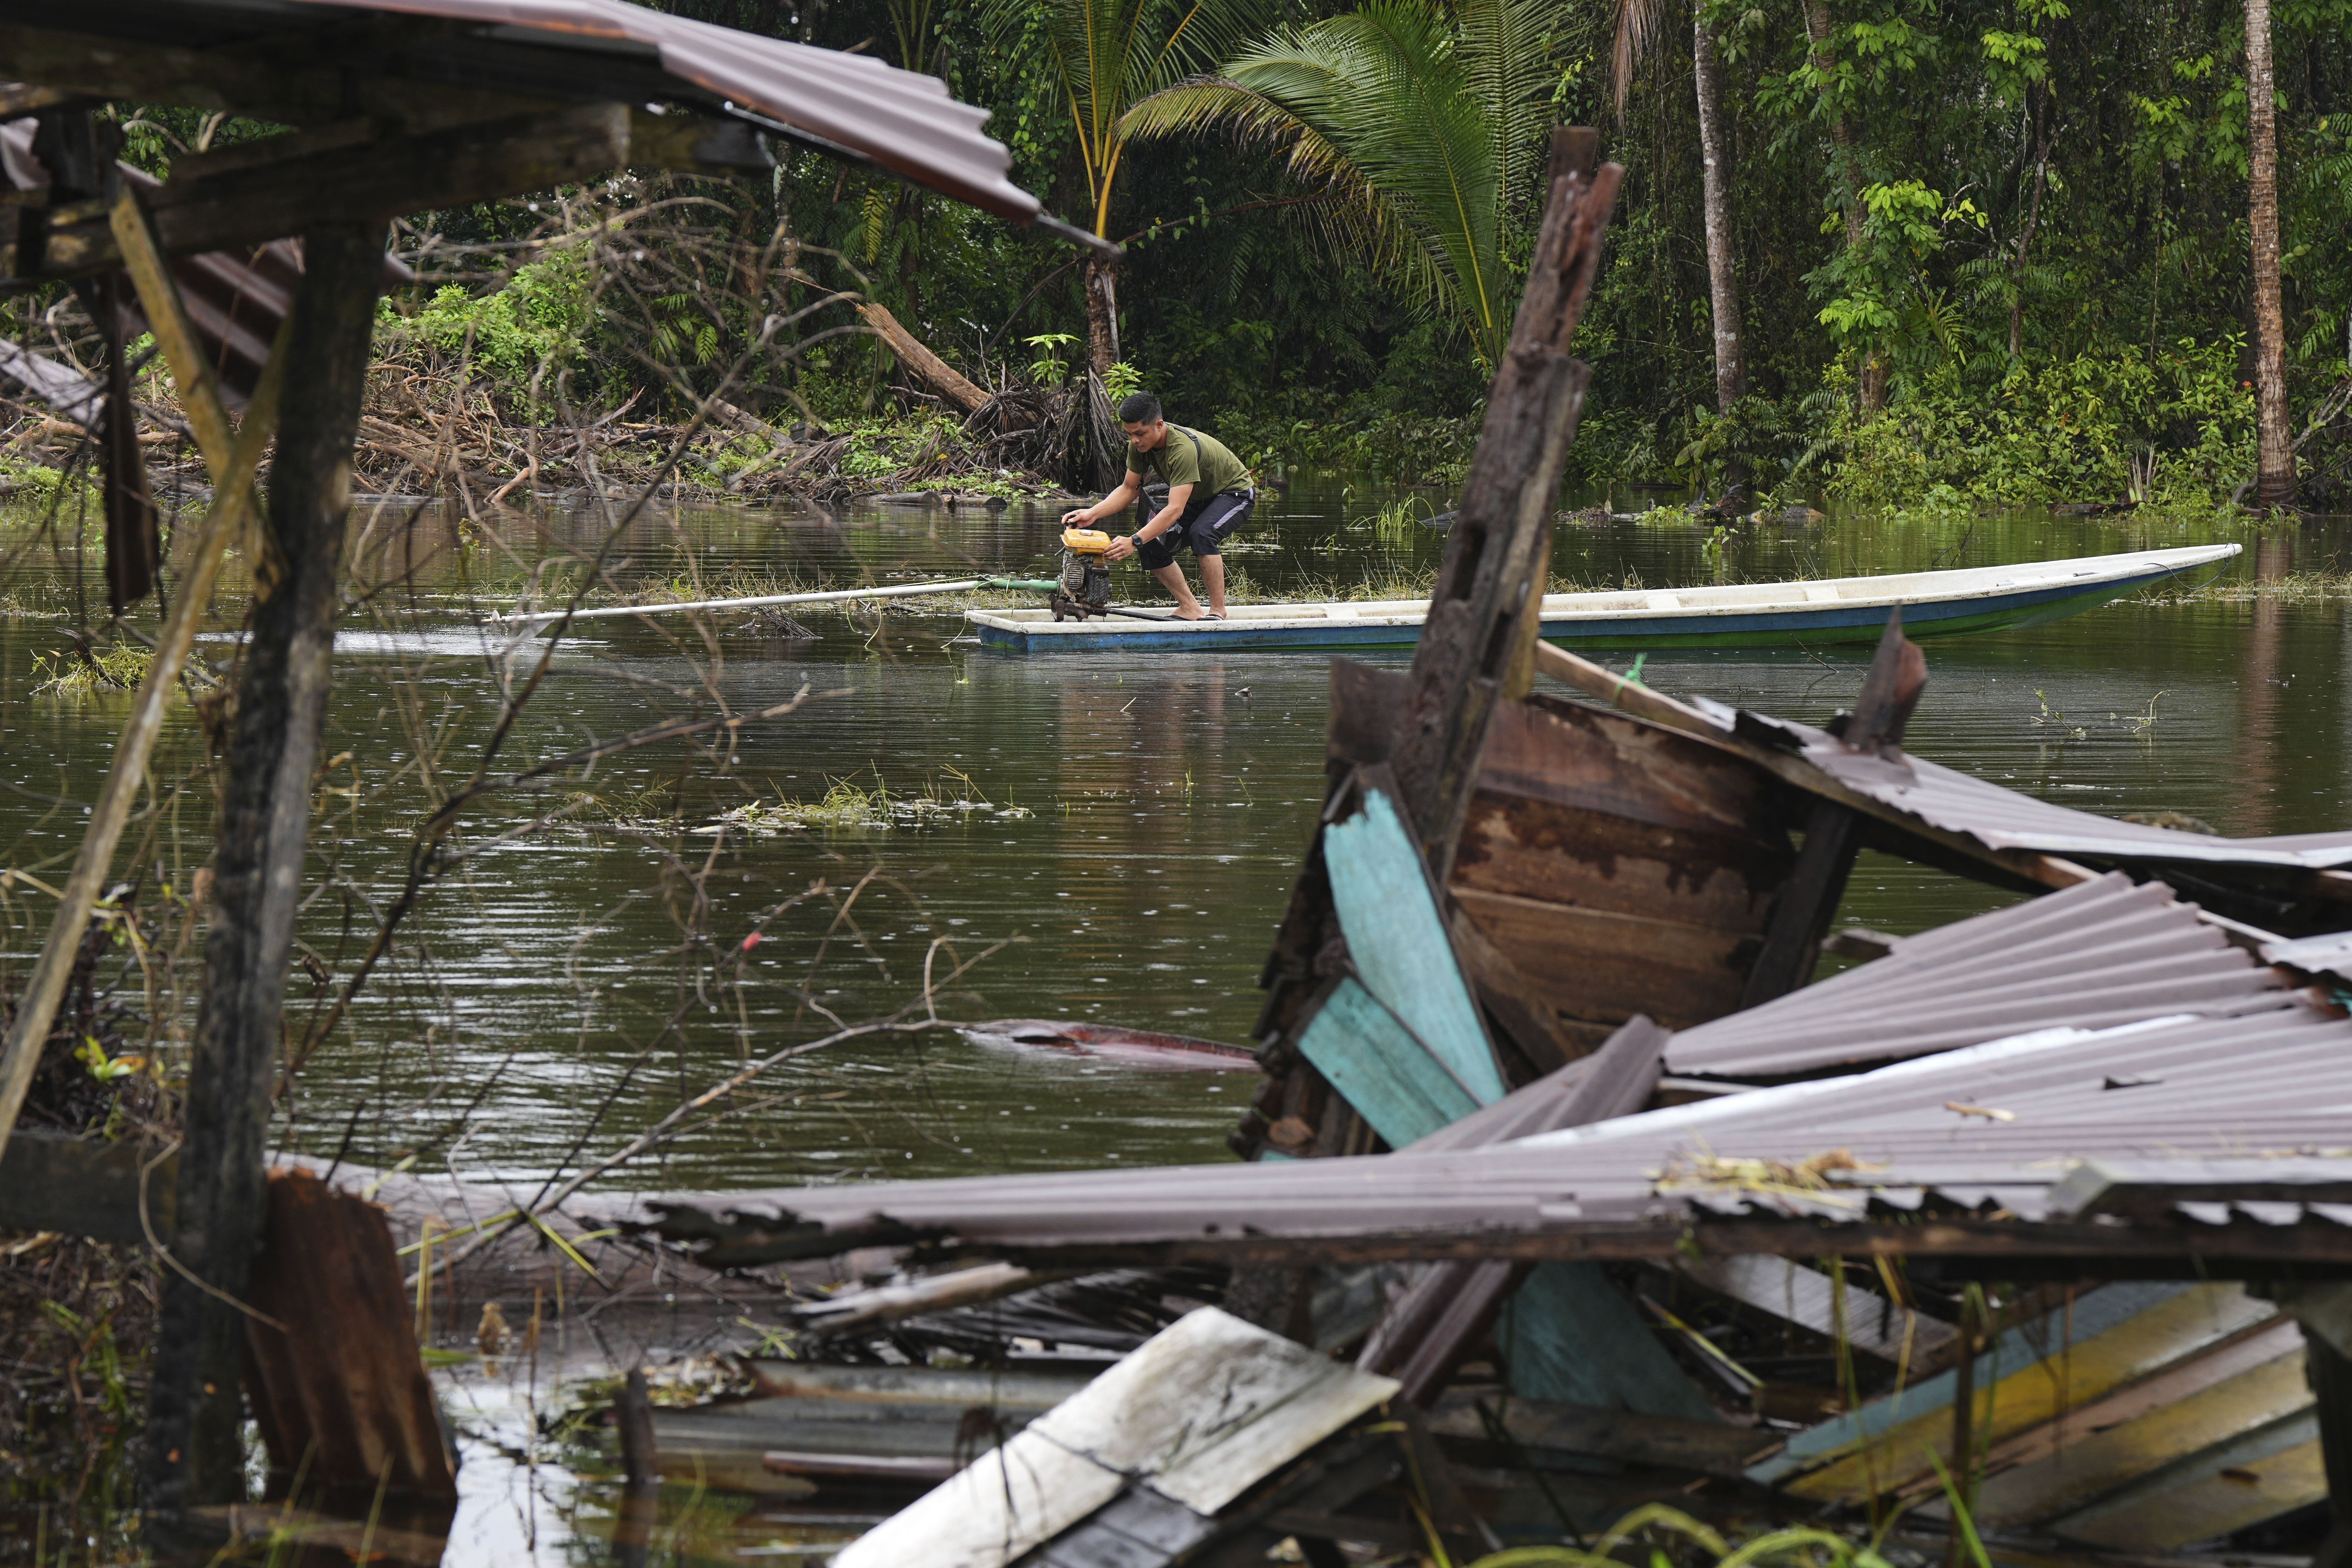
1419 125
1635 22
2273 450
1109 54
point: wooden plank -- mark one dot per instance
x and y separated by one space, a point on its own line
1705 1448
1600 965
2055 1377
1906 834
1808 1298
1564 855
252 204
2100 1462
2226 1489
1397 942
53 1181
1579 755
1570 1336
338 1387
1381 1068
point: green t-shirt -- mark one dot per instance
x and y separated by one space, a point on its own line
1188 457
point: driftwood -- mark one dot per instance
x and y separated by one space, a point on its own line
927 368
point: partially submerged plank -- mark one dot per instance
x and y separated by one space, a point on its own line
1597 966
1200 1413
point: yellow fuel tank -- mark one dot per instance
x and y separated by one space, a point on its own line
1085 540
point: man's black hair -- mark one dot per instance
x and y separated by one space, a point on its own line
1140 408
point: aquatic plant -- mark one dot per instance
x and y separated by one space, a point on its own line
78 675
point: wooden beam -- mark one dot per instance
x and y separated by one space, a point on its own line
1474 647
1833 832
254 202
196 1448
232 505
53 1181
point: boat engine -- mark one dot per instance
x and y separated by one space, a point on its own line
1084 587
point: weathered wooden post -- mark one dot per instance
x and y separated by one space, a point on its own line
197 1454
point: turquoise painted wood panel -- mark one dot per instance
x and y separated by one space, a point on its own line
1570 1334
1397 939
1380 1068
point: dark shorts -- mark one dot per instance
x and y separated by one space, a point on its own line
1202 528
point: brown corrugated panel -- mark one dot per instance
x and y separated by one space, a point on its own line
596 50
2003 820
2094 956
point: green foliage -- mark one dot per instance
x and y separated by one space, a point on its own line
542 317
2067 431
1046 369
1420 126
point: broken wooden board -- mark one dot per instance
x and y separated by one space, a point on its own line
50 1180
338 1387
1397 942
1570 1336
1200 1414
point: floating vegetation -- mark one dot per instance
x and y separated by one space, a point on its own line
2294 588
77 675
850 806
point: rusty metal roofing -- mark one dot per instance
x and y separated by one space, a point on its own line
1993 1125
2002 819
2102 953
597 50
2327 954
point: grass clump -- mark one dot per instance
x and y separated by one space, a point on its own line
77 675
848 805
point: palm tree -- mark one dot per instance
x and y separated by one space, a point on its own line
1107 53
1420 124
2274 447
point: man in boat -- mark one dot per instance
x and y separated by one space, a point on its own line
1209 496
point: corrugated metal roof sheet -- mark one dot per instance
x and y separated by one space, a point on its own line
1997 1122
2002 819
2103 952
598 49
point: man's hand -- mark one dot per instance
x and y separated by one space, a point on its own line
1083 517
1120 549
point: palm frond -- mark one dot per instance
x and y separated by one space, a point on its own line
1633 23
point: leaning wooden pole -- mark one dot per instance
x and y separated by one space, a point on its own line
233 459
1477 646
194 1433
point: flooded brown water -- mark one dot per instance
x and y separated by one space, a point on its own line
1160 807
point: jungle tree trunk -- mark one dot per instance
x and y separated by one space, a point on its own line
1817 29
2032 218
2273 442
1102 314
1722 279
196 1431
